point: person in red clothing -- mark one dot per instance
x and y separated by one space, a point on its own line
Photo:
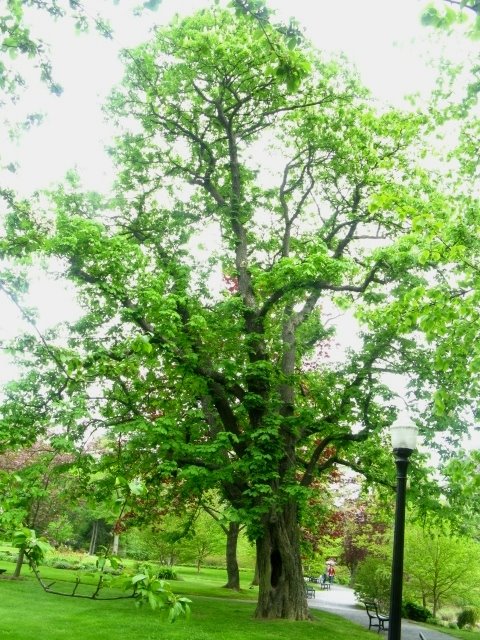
330 571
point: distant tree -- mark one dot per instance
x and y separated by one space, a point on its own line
205 538
441 569
31 489
373 575
366 527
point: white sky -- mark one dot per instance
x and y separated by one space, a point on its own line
377 35
383 38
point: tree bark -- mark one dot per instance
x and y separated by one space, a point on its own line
115 544
19 564
233 572
255 579
281 585
93 539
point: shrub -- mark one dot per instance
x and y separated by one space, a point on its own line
372 581
62 564
467 616
416 612
166 573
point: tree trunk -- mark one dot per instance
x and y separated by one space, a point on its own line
115 544
255 580
233 572
93 539
281 585
18 566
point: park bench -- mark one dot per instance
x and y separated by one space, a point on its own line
2 571
324 582
310 591
375 618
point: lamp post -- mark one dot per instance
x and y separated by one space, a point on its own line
404 440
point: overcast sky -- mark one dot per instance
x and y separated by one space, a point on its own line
383 38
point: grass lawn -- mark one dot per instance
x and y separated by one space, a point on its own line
27 613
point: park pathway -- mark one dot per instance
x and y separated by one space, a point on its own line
342 602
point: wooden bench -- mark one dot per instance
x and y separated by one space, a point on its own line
310 591
375 618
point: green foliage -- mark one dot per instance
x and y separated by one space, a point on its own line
202 384
34 548
60 531
468 616
166 573
150 589
440 568
416 612
372 580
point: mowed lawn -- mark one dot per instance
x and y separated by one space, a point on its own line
28 613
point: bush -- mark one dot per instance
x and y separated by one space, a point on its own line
62 564
166 573
372 581
467 616
416 612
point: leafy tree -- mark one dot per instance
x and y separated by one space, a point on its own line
364 529
207 364
31 482
60 531
203 540
440 568
372 579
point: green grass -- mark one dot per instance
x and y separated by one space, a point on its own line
27 612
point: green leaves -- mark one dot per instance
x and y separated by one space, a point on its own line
149 589
33 547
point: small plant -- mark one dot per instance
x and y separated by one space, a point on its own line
62 564
149 589
467 616
416 612
166 573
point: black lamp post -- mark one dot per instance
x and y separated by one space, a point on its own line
404 440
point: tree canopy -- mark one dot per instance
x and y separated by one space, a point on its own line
259 194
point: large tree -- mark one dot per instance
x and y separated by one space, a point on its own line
258 193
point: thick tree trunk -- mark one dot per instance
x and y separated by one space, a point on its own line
281 585
233 572
19 564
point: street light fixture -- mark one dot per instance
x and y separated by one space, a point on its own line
404 442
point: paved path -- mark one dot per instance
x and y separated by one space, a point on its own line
341 601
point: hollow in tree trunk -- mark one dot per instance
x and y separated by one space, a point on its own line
233 573
281 585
